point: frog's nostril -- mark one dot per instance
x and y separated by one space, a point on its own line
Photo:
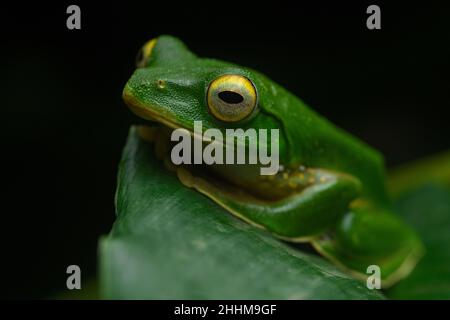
161 84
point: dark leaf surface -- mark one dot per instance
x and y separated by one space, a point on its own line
422 191
428 209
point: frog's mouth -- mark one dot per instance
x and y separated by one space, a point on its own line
161 117
147 113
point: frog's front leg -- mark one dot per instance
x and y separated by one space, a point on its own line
297 217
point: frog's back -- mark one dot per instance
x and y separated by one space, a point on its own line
316 142
312 140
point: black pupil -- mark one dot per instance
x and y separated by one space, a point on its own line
231 97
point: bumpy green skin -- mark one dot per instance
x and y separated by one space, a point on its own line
352 233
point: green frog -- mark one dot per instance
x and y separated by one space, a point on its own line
329 188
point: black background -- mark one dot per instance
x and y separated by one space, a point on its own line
63 122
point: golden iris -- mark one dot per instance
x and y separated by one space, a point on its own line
145 53
231 97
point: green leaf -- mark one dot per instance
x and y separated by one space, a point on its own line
424 201
171 242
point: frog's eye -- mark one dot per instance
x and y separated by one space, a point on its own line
145 53
231 97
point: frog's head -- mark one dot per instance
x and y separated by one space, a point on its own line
171 85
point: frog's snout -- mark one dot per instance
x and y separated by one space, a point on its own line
135 105
127 96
